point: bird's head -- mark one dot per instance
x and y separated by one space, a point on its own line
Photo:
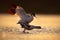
33 14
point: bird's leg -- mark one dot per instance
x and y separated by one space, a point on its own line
24 30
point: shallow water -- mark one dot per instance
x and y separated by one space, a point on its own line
10 30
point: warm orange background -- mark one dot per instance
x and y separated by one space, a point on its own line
47 21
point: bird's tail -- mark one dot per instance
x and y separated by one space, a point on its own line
37 27
33 27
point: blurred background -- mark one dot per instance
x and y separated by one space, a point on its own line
37 6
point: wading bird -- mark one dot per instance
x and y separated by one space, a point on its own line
25 19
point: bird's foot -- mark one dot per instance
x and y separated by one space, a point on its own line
25 32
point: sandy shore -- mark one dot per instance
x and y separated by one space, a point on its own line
49 23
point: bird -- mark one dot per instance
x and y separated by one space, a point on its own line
25 19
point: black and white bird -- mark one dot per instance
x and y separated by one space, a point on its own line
25 19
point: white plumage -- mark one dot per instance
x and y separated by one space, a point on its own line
23 15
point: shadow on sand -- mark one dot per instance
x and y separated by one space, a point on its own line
34 31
